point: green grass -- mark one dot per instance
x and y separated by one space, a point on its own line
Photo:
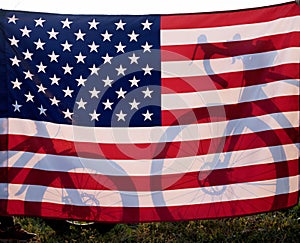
279 226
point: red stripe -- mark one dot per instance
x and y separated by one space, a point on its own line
214 177
149 214
229 49
215 19
231 80
3 142
152 151
230 112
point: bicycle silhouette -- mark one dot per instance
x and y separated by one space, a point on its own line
223 159
220 156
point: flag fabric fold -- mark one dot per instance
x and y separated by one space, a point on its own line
136 118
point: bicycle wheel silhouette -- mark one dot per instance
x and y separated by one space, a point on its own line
255 159
189 137
77 206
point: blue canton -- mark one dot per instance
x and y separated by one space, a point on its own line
83 70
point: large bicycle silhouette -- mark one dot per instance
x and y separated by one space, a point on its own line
222 161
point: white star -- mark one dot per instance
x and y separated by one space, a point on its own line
29 97
79 35
147 93
41 67
28 75
67 69
17 106
121 70
25 31
54 80
14 41
121 116
134 82
94 115
12 19
121 93
93 24
15 61
68 114
16 84
106 36
54 101
147 47
107 59
133 36
147 70
41 88
120 48
39 44
81 104
93 47
147 115
27 55
66 23
146 25
94 93
67 46
80 58
68 92
39 22
134 104
81 81
42 110
107 104
94 70
53 57
134 59
107 81
52 34
120 25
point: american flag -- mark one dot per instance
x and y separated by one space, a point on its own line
135 118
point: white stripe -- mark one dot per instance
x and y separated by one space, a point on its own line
136 135
225 34
192 196
179 166
211 98
229 64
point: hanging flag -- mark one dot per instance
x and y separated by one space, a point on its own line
135 118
